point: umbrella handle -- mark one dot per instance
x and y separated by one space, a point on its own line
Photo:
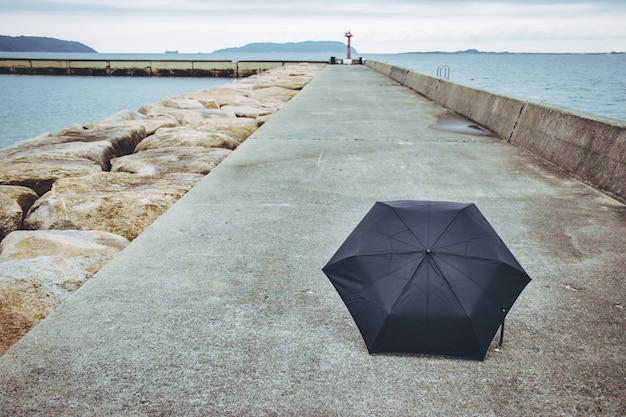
502 325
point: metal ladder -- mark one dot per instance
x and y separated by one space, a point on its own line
443 71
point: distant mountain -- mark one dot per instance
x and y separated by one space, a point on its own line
40 44
476 51
332 47
467 51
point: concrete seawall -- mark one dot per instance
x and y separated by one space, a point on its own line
141 68
590 148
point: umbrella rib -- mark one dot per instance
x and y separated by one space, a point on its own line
451 265
485 290
392 237
404 289
480 258
409 228
436 265
447 228
391 272
467 240
409 282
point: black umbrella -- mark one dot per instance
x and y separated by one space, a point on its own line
426 277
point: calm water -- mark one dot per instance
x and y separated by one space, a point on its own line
31 105
594 83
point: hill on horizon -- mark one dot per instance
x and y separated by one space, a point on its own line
40 44
333 47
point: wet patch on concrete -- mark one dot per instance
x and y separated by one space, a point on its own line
453 122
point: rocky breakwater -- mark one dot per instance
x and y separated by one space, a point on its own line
71 200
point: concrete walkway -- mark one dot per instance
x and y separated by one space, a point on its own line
221 308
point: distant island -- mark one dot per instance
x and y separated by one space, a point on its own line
477 52
466 51
40 44
330 47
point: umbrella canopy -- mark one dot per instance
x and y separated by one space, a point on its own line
426 277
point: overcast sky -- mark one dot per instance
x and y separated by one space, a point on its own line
379 26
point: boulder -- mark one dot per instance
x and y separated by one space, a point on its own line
122 137
238 128
248 111
187 136
234 94
287 82
39 171
272 95
23 304
184 117
73 151
124 116
14 203
40 269
99 152
181 103
116 202
203 97
131 118
160 161
189 102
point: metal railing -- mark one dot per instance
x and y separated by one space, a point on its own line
443 71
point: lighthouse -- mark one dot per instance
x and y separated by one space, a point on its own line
349 35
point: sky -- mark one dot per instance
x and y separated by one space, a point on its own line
378 26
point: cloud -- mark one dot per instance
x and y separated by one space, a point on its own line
378 26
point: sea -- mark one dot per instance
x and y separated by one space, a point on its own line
32 104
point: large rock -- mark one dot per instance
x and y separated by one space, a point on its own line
249 111
123 116
73 151
235 94
122 137
129 118
116 202
272 95
39 172
187 136
99 152
14 204
181 117
287 82
23 304
184 101
160 161
238 128
40 269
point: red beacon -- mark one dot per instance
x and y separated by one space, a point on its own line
349 35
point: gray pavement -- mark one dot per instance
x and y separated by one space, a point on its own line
220 307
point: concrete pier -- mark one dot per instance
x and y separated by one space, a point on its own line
220 307
589 147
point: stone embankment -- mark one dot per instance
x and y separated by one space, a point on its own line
71 200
